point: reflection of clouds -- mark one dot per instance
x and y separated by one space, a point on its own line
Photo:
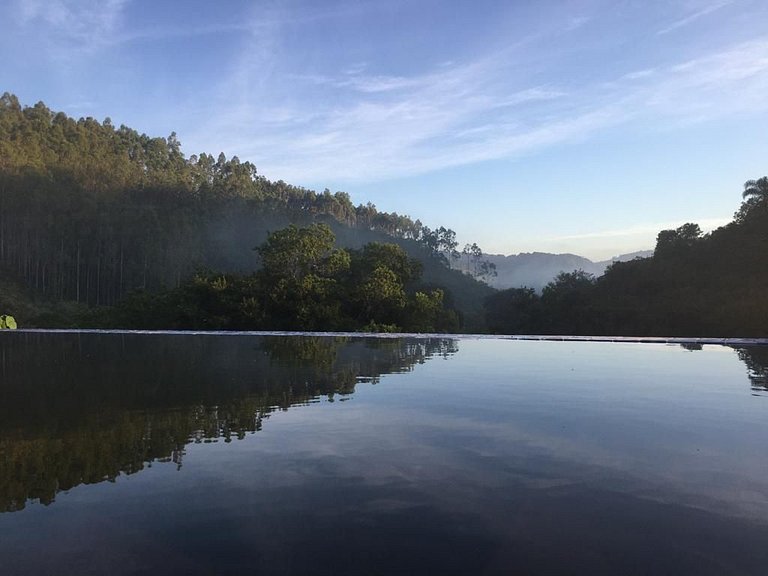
693 17
656 423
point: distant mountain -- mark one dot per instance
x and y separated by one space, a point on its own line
537 269
627 257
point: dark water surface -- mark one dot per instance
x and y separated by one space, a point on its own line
152 454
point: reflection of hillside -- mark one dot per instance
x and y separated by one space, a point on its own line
85 408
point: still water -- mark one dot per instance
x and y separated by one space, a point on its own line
174 454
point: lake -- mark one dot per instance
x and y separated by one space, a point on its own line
131 453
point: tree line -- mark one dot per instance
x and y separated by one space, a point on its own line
694 285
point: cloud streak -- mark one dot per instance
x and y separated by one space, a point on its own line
365 127
78 24
706 224
693 17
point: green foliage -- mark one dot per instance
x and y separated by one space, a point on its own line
426 312
295 252
390 256
380 295
7 322
376 327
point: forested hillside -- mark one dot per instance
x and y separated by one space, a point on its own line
90 212
694 285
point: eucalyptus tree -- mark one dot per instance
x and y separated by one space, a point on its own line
447 245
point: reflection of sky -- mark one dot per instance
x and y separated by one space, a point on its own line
656 413
591 442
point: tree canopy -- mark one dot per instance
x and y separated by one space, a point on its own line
305 283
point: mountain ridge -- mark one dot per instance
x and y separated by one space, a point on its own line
536 269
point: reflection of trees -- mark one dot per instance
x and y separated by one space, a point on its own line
692 346
85 408
756 359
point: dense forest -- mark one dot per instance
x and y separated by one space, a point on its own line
694 285
90 212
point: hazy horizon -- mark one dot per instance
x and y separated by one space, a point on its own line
580 128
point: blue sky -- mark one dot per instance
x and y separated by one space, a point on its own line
581 127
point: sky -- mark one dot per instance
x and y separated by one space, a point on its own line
582 126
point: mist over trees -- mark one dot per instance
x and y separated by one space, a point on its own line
537 269
304 283
90 212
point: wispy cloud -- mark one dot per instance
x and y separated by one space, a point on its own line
610 242
83 24
637 74
359 126
374 126
355 80
169 32
732 80
693 17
